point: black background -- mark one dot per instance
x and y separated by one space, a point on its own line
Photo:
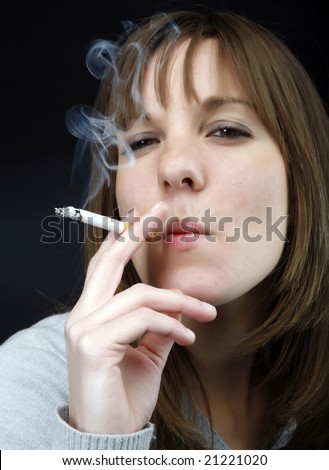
43 74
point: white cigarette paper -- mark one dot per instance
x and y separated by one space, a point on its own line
91 218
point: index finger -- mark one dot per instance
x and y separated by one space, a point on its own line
113 255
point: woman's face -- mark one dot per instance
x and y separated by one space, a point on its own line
222 175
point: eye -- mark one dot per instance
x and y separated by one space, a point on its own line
142 143
230 132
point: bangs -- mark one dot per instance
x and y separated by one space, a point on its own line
128 90
164 61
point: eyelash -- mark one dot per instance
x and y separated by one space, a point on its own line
138 144
229 132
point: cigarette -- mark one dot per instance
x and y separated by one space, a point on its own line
91 218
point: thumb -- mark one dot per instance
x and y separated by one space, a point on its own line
156 348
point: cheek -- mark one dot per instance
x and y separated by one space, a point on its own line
256 185
136 187
129 191
124 192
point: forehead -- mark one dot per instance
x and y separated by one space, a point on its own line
199 74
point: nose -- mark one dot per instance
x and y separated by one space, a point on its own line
180 167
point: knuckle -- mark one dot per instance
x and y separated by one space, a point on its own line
139 288
85 343
180 298
144 313
72 331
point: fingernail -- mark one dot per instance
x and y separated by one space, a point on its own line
209 307
156 206
174 289
190 333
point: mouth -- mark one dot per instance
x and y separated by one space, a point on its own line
184 234
185 227
180 233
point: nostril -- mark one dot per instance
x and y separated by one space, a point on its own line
187 182
183 183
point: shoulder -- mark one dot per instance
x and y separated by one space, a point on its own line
33 384
45 335
35 352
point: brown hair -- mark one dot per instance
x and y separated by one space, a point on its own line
292 342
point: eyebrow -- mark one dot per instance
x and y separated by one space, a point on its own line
209 104
214 102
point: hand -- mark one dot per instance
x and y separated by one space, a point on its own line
113 387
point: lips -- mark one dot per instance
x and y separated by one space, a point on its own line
184 233
184 227
180 233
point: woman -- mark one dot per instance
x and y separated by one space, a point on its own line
213 334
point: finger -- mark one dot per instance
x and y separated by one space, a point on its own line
156 348
161 300
108 267
136 324
108 241
111 340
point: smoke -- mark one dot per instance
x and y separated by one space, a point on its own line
85 122
100 56
98 134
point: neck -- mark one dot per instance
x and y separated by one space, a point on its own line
220 363
224 367
228 373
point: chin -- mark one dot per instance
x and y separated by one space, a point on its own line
211 289
204 291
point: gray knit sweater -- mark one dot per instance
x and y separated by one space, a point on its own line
34 397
